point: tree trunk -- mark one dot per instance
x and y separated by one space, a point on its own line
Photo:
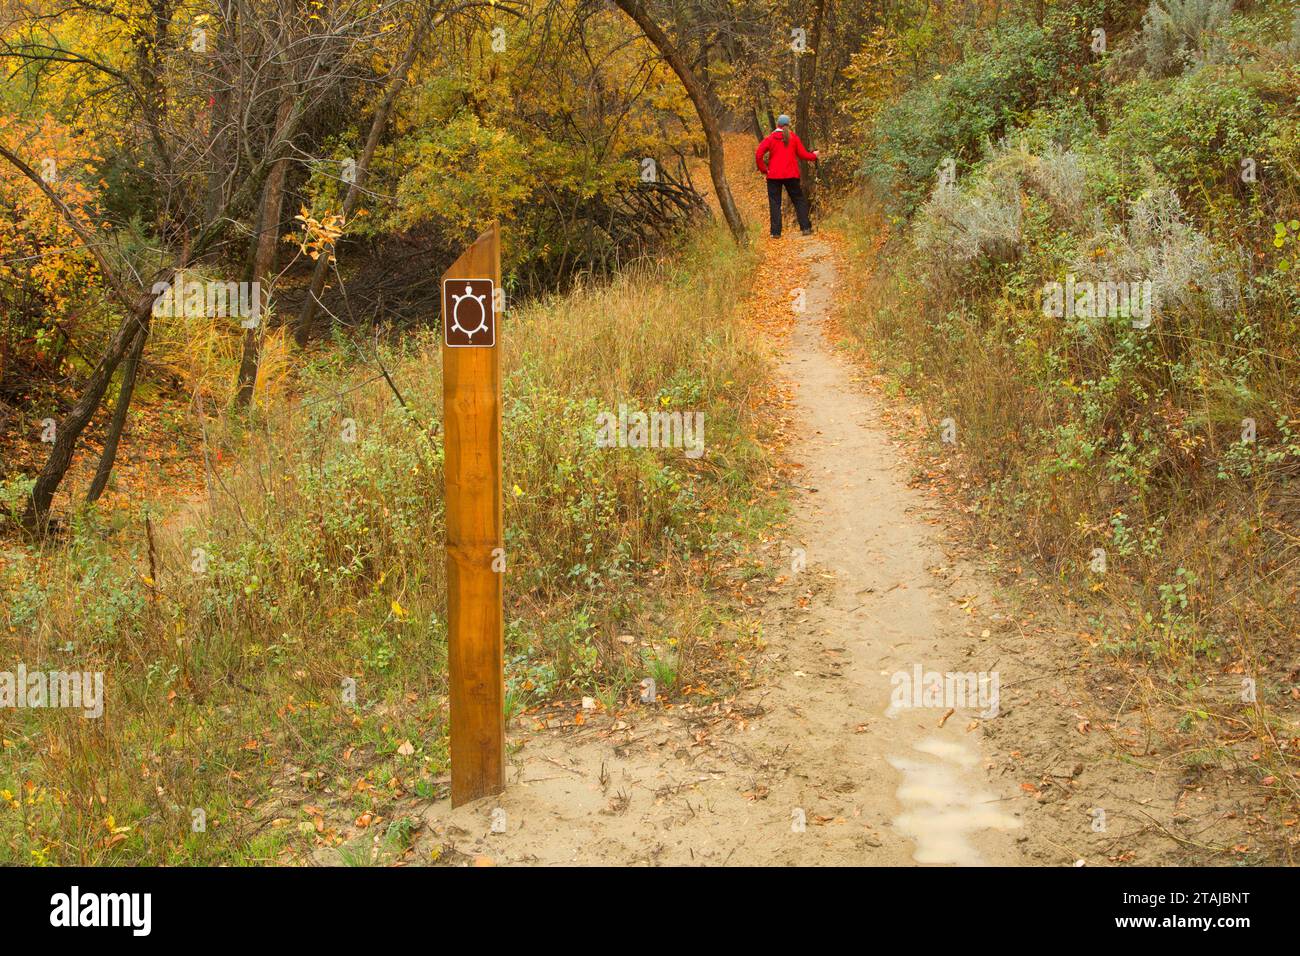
219 156
700 98
74 423
767 98
118 422
268 236
803 101
756 111
321 270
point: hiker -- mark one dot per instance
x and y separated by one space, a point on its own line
782 170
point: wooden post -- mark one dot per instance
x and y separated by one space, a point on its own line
471 402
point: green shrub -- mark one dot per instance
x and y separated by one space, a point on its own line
1193 131
956 115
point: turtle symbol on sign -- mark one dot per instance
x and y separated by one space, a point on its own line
469 312
456 323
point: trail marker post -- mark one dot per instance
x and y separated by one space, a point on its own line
471 402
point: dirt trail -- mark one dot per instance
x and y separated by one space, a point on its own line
829 774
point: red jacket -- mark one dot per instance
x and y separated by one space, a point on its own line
784 162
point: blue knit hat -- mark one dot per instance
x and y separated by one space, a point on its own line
783 120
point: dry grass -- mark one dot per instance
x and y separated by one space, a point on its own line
230 630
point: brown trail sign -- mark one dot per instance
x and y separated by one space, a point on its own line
471 402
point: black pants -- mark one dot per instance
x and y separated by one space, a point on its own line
796 196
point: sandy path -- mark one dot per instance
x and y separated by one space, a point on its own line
829 774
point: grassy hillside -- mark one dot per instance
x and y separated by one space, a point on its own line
1147 461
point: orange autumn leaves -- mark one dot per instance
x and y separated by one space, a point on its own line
38 249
